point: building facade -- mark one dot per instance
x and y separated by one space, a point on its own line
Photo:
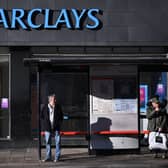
103 58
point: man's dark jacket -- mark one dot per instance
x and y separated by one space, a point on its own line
45 119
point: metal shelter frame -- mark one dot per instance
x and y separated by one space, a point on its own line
59 60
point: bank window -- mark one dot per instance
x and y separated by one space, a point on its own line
4 97
125 87
152 84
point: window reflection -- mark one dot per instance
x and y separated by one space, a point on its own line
4 97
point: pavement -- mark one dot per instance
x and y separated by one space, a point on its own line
77 158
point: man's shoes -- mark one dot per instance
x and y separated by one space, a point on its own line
164 156
56 160
46 160
155 155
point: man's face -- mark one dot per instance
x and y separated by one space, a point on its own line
52 100
155 105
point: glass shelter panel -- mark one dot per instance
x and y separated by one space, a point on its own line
113 107
71 89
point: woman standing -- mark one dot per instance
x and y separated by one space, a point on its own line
157 118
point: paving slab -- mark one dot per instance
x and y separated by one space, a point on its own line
78 158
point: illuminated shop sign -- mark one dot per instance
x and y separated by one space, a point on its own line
143 97
70 19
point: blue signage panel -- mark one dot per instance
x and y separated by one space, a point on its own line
85 18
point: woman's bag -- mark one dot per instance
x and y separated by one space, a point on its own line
157 141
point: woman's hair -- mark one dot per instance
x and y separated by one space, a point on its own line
163 103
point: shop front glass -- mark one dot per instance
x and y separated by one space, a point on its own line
71 89
4 98
113 108
152 83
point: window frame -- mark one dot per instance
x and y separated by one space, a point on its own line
9 98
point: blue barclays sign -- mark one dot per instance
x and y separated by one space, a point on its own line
70 19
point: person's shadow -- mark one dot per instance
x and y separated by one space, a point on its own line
101 141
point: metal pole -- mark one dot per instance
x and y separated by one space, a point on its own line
138 105
38 109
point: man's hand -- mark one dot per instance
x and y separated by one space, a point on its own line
157 109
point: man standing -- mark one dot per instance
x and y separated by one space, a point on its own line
51 120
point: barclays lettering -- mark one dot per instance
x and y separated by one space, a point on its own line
51 19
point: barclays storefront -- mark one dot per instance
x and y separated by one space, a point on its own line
103 58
